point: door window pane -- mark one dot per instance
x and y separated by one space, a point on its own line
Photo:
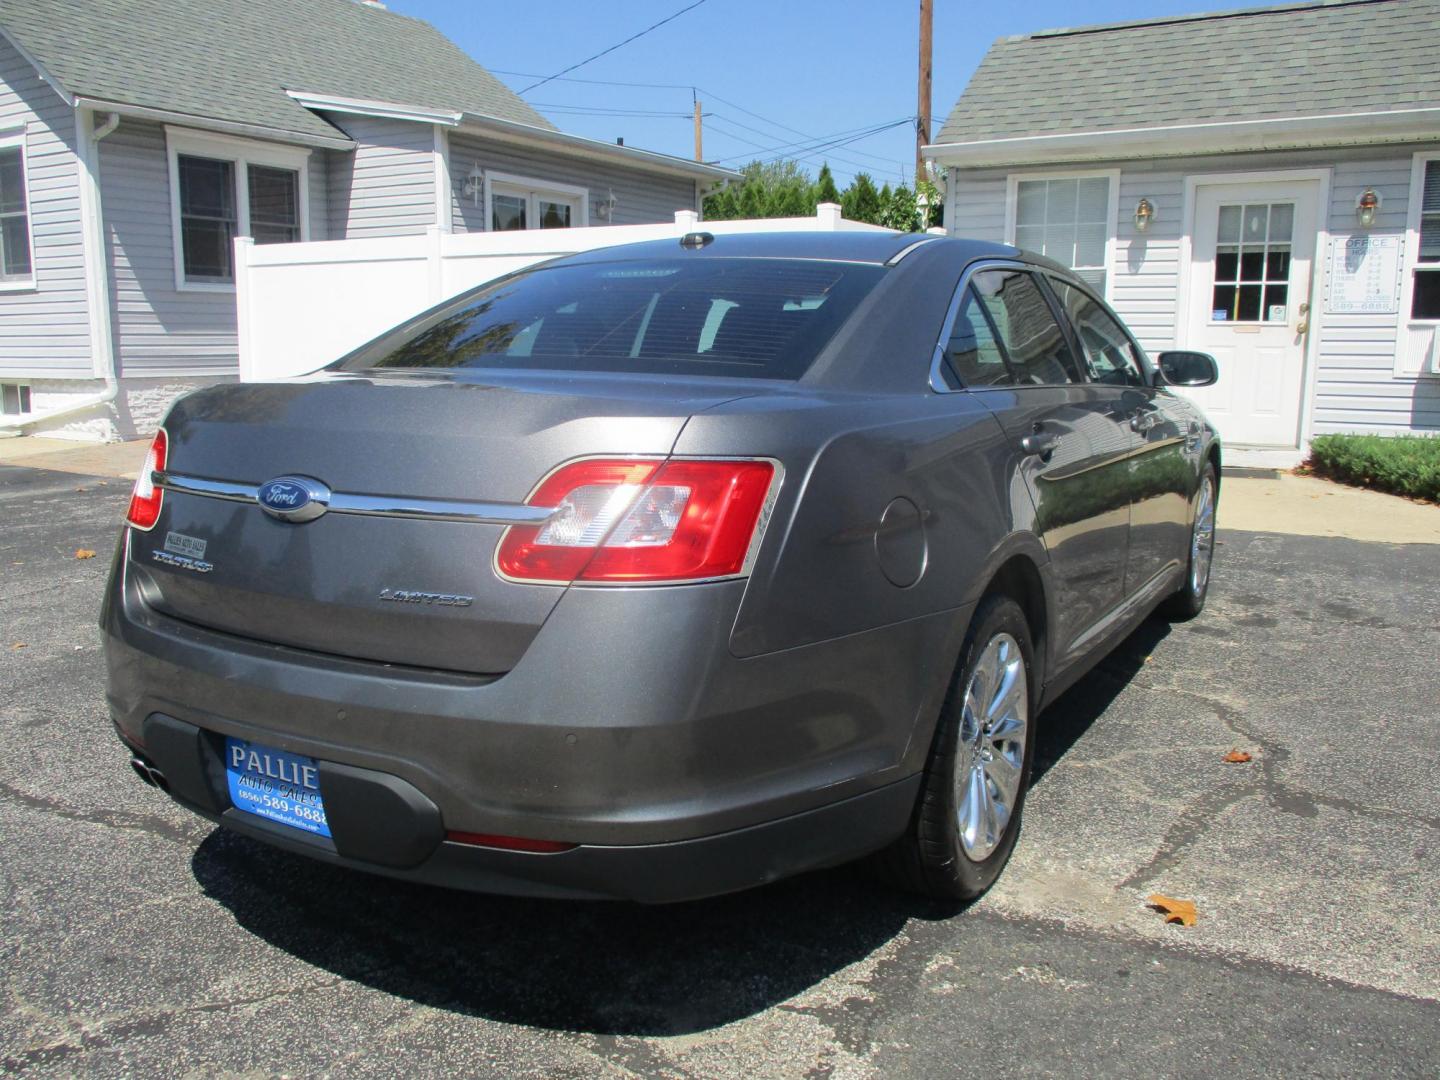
972 352
554 215
1067 220
1252 276
274 205
14 216
508 213
1028 332
1112 357
207 217
1426 304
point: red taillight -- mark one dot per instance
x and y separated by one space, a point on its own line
641 521
509 843
146 498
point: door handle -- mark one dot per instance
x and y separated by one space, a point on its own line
1040 443
1143 420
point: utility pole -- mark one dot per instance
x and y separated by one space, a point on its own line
922 107
699 141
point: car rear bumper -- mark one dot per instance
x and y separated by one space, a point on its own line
627 728
385 826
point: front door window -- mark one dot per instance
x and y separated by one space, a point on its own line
1252 263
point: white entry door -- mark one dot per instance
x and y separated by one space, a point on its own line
1249 303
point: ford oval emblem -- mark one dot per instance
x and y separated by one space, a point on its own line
293 498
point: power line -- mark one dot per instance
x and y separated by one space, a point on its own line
595 110
848 161
612 48
593 82
820 142
819 151
776 123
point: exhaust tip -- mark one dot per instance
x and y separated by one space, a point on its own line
151 775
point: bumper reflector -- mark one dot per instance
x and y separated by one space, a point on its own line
508 843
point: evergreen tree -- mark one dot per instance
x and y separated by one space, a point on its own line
861 201
825 189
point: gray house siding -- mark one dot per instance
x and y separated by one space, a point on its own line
640 197
158 330
1355 385
45 332
386 186
319 194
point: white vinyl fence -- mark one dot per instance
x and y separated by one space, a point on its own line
300 306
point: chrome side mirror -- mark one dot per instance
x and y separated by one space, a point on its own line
1186 368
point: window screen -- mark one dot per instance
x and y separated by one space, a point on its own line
1029 334
208 217
14 216
1112 357
274 205
758 318
1068 221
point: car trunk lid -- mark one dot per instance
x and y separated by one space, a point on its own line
384 586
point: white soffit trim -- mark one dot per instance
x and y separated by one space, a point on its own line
1288 132
229 127
562 142
364 107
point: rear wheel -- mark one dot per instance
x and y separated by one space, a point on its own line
1189 600
968 817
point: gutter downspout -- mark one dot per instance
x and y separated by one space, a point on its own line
97 275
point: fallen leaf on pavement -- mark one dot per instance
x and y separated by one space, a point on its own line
18 645
84 553
1181 911
1236 757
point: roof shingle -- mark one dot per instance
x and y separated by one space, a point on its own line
1312 59
233 60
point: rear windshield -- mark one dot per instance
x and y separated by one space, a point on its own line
761 318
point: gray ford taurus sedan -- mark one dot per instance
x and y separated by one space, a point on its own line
661 571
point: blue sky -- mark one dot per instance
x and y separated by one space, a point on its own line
817 68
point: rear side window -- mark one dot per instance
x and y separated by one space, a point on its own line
974 355
1028 332
759 318
1112 357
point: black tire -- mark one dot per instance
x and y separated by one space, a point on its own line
931 858
1189 600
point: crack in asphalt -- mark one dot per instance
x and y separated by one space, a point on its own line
1202 812
114 819
105 1033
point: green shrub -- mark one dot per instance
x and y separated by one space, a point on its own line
1403 464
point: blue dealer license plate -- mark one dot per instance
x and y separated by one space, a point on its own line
275 785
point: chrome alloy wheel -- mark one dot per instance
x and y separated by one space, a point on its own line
1202 539
990 755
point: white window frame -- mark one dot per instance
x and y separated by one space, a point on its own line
532 190
1112 212
19 386
1419 339
242 153
8 139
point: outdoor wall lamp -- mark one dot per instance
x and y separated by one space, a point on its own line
604 208
1365 206
1144 213
475 184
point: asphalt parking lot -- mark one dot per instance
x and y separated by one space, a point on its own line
136 939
